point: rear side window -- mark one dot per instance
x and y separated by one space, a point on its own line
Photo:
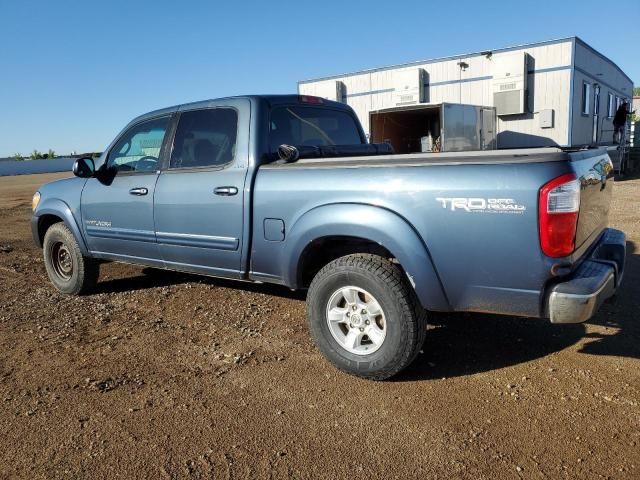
205 138
312 126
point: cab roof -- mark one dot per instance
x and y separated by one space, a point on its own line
264 100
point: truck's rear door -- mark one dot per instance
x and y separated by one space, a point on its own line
199 201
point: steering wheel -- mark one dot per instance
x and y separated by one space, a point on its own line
146 163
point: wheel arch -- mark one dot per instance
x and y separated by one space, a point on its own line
55 211
355 227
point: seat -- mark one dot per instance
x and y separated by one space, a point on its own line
205 153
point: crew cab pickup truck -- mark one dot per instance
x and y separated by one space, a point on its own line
286 190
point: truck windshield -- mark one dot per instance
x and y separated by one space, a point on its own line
312 126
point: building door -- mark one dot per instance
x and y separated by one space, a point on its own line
488 139
596 113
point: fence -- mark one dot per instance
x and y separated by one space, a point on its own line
27 167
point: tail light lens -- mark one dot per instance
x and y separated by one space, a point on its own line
558 215
310 99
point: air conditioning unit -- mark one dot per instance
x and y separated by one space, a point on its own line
510 83
408 86
333 90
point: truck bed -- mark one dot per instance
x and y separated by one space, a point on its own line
526 155
486 260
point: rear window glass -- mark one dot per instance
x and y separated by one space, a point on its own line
312 126
205 138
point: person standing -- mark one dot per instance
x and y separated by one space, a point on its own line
619 121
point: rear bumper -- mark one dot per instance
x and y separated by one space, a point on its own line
577 298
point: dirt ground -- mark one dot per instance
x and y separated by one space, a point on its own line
163 375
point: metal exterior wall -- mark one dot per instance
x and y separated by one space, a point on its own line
593 68
549 83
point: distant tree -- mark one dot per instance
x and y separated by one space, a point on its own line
17 156
51 154
35 155
636 91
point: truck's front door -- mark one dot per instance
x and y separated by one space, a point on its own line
199 198
117 205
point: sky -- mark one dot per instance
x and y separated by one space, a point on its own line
73 73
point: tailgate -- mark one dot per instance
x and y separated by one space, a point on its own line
594 170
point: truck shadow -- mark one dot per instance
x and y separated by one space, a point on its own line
156 277
465 344
620 316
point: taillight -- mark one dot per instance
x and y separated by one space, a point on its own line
558 215
310 99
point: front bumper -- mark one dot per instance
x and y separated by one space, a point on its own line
35 232
577 298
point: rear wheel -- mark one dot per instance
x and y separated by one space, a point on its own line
364 317
69 271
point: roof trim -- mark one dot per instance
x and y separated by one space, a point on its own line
573 40
441 59
593 50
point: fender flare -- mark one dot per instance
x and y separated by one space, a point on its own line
60 209
373 223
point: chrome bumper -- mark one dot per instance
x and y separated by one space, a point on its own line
577 299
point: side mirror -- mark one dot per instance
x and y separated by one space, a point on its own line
84 167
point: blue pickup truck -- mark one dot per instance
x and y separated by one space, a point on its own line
285 189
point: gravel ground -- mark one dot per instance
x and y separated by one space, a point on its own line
163 375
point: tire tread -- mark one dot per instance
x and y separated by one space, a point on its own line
88 269
393 278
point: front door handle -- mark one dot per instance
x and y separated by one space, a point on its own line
226 191
138 191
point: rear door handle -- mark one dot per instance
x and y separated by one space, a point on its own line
226 191
138 191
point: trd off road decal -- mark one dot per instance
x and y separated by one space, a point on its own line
481 205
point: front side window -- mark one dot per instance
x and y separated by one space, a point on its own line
312 126
586 97
138 150
205 138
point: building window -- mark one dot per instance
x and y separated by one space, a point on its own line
586 98
611 108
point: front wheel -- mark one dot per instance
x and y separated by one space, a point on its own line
364 317
69 271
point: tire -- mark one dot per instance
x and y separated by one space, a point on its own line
69 271
379 286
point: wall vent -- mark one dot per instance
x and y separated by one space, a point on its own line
510 83
408 86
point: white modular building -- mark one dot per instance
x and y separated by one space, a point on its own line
559 92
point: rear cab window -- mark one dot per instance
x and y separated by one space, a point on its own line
312 126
